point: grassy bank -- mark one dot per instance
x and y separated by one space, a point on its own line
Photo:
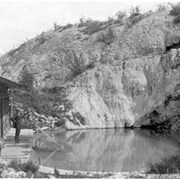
166 166
19 169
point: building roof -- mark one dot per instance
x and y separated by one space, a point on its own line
7 82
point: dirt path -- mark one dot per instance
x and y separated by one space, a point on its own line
20 150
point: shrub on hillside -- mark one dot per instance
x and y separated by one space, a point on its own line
110 21
27 79
93 26
176 20
107 37
13 51
135 16
175 9
77 64
135 10
117 21
67 26
162 7
133 19
120 16
60 28
41 38
55 26
83 22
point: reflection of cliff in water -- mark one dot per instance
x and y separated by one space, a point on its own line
107 149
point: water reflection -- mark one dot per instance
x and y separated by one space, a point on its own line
106 149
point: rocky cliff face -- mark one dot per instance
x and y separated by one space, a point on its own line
134 82
110 96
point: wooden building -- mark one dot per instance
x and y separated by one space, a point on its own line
5 105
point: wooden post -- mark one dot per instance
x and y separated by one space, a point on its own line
1 117
39 161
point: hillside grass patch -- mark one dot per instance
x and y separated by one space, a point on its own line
107 36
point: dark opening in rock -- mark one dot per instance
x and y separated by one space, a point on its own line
154 113
150 90
124 64
173 46
132 92
128 127
168 98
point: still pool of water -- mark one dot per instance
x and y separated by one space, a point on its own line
103 150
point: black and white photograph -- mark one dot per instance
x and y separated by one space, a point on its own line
89 89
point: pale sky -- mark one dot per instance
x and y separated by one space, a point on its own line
22 19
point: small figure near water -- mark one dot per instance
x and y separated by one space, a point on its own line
1 144
16 119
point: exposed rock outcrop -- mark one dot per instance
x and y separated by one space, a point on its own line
109 96
134 80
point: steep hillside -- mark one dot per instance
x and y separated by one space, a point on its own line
120 76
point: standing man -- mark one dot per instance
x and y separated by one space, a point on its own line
16 119
1 144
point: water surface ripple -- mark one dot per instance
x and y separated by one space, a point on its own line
104 150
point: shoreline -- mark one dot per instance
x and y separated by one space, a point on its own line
22 151
124 175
